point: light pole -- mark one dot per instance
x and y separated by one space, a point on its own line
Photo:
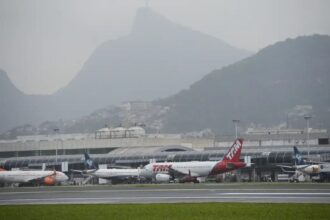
307 118
56 130
236 121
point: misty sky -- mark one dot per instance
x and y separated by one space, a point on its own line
44 43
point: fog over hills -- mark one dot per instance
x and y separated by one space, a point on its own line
158 58
276 87
280 83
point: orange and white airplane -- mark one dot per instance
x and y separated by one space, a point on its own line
191 171
37 177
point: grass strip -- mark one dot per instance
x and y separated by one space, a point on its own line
167 211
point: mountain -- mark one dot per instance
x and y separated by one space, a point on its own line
17 107
10 98
276 87
279 84
157 59
127 114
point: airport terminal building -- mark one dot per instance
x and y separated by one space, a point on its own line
133 147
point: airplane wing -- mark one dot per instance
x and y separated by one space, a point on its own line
301 167
84 171
122 179
77 171
284 169
288 167
184 175
309 162
179 174
118 167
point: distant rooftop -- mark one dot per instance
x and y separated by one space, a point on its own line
253 131
149 150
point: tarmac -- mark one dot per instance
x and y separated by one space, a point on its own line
168 193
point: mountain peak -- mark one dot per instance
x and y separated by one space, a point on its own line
148 21
6 85
3 75
157 59
157 51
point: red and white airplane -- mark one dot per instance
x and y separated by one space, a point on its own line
191 171
34 177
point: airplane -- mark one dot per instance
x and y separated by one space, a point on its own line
195 170
301 165
318 171
113 174
34 177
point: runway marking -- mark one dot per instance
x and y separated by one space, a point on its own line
279 193
145 199
79 190
165 194
155 197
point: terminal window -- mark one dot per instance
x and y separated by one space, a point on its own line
323 141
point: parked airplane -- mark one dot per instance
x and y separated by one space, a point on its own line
113 174
319 171
34 177
192 171
301 165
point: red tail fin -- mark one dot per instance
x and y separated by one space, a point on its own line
1 169
234 151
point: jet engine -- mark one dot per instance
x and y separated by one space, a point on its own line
162 178
49 180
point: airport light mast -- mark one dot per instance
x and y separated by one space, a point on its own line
236 121
307 118
56 130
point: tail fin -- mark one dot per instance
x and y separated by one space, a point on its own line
234 151
89 163
297 157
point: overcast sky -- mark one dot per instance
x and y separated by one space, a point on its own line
44 43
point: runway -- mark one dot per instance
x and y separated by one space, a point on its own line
174 193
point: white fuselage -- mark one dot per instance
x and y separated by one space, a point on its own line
309 169
314 168
20 176
195 168
325 168
115 173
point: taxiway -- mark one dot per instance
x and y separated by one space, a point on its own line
172 193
